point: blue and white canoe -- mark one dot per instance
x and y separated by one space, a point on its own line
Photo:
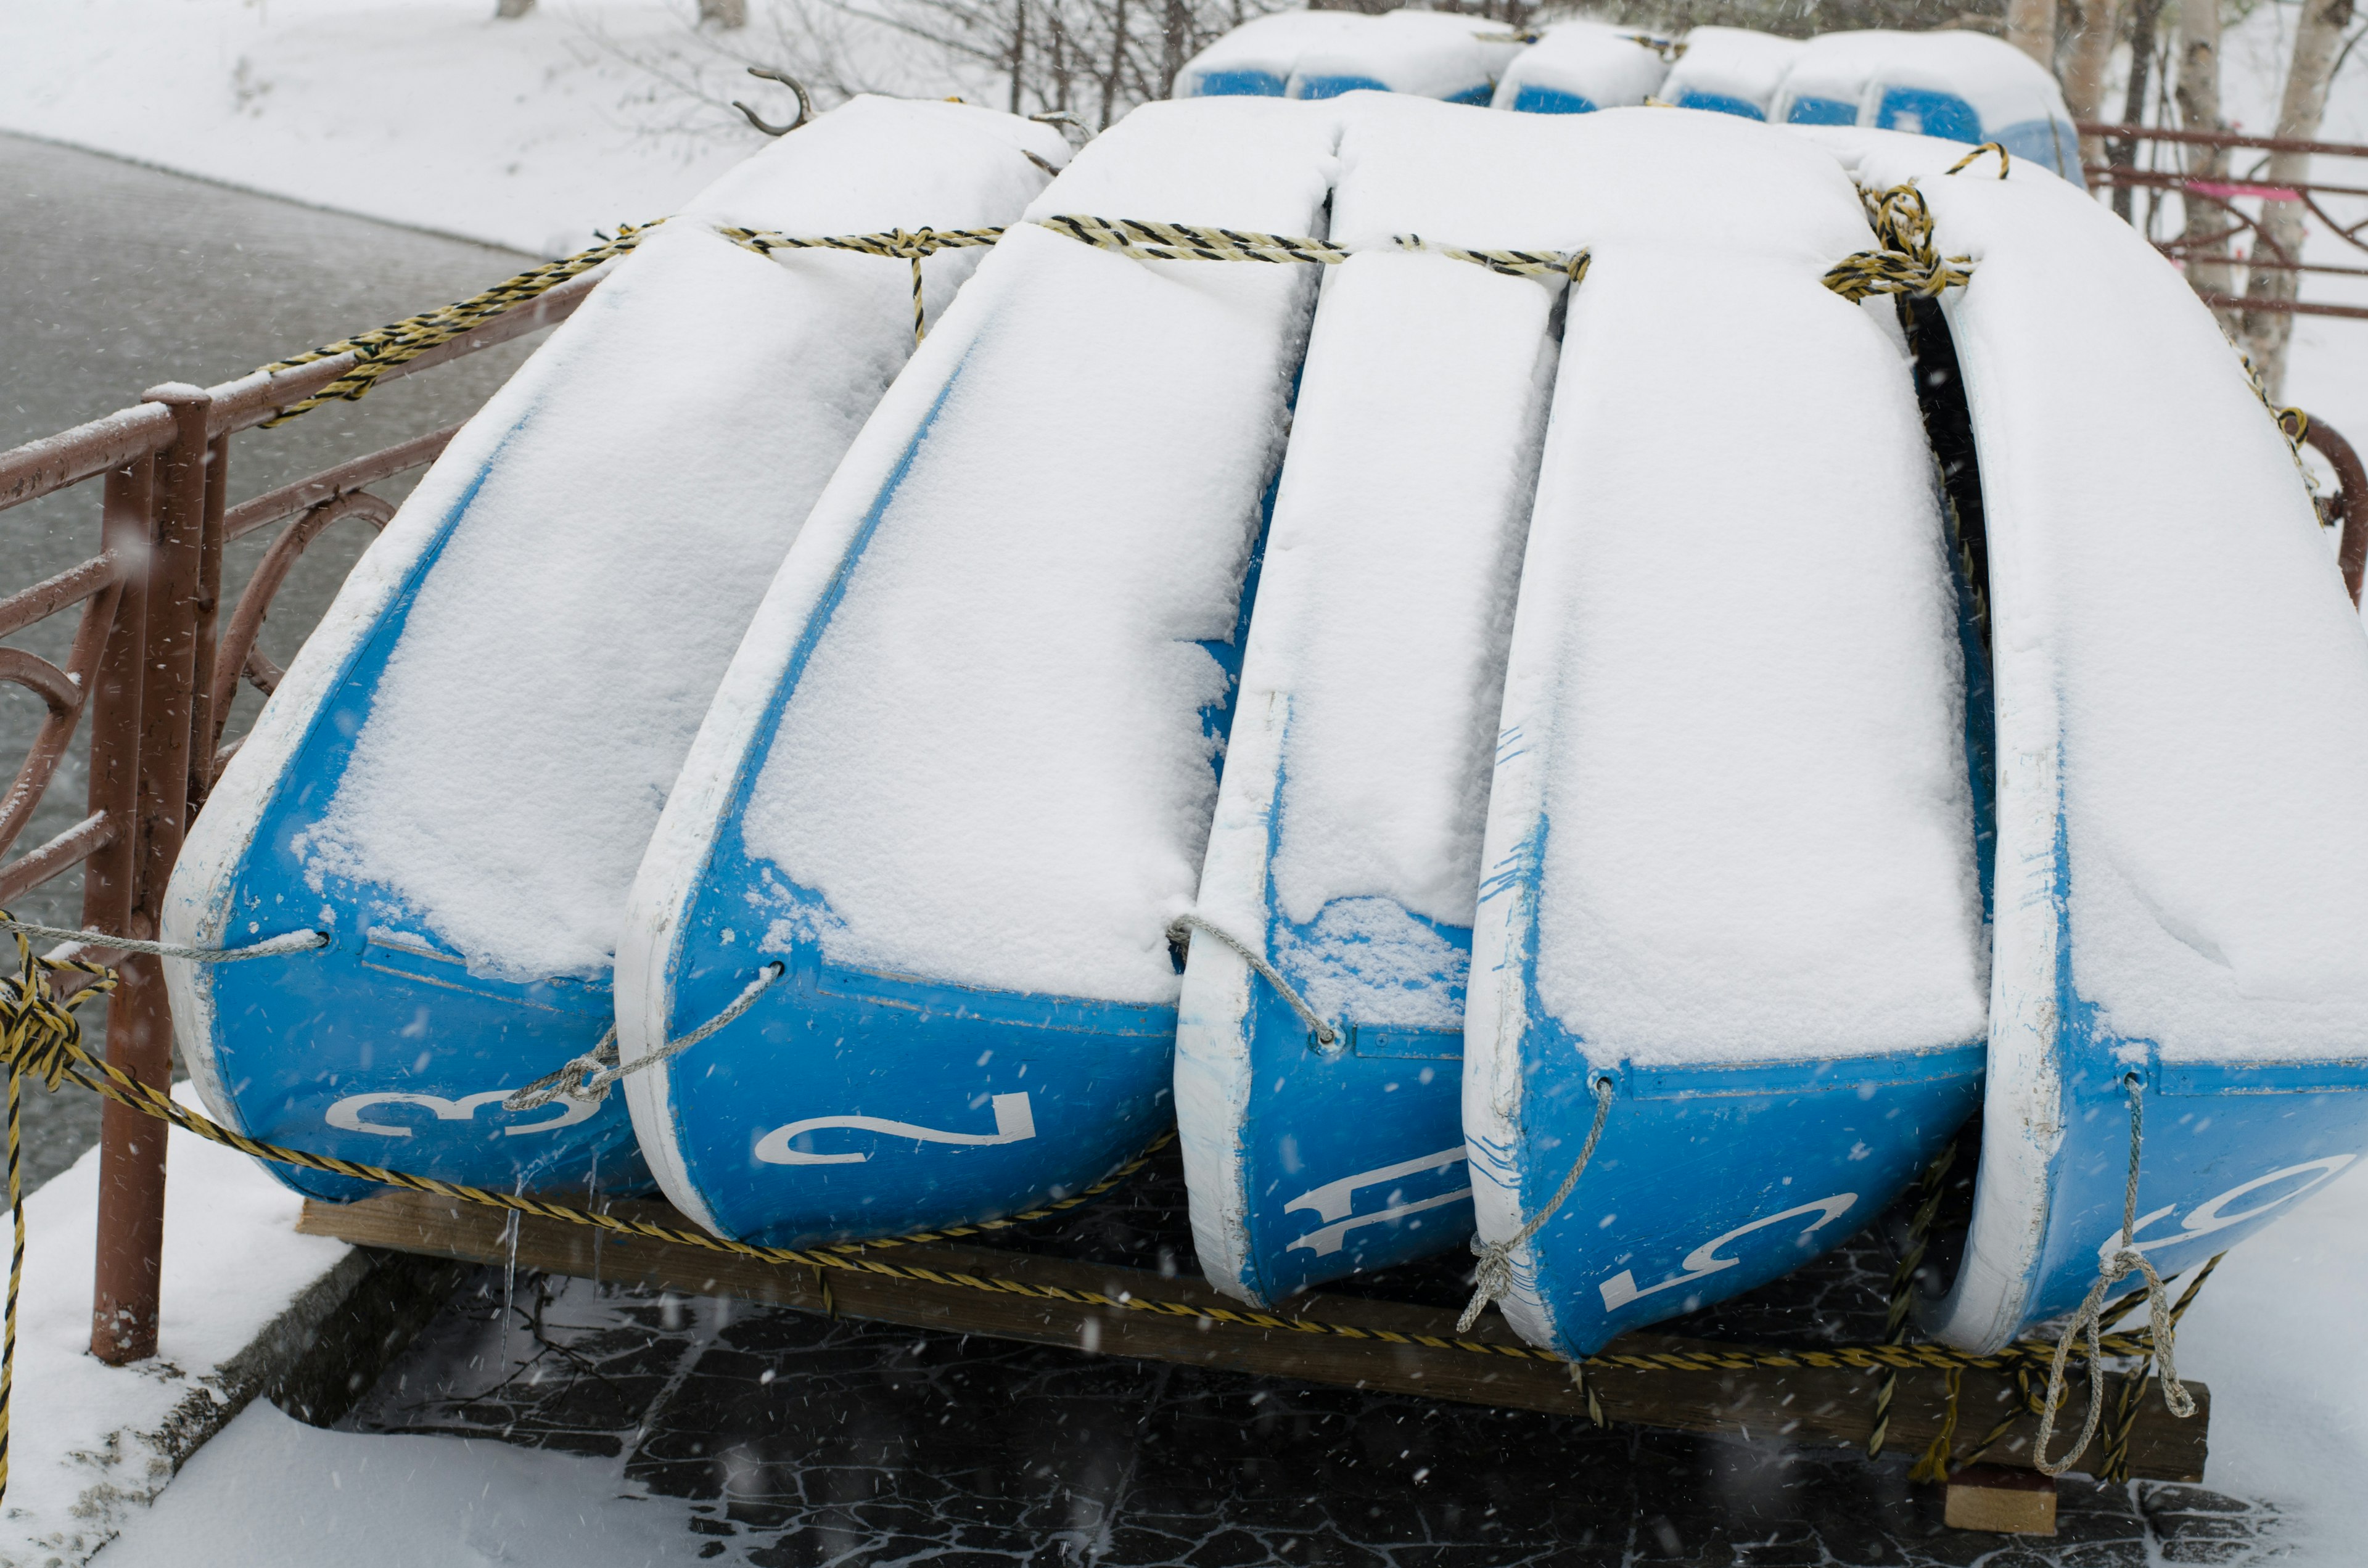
1730 71
1322 54
958 778
1579 67
457 776
1347 843
1958 85
1257 59
2183 708
1733 880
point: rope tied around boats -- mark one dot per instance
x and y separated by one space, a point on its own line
42 1037
589 1078
1908 262
1931 1186
2122 1258
1321 1035
47 1040
381 349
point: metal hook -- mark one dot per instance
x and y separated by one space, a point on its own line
806 103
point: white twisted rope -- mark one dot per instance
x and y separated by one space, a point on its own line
589 1078
1495 1273
1179 931
2125 1260
271 947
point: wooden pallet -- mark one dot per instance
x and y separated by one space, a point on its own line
1802 1405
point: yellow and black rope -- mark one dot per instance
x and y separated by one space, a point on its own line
381 348
1908 262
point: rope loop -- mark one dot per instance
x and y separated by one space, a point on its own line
269 948
1908 263
1319 1033
1494 1277
2124 1259
587 1079
2006 163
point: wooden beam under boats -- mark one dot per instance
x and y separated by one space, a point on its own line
1807 1406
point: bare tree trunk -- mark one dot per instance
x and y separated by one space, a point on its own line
1117 62
2030 27
1172 52
2209 230
2124 155
511 10
2267 333
1019 49
2086 61
722 12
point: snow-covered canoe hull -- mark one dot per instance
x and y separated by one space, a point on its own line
2181 688
1347 842
959 777
1579 67
1957 85
1730 71
1322 54
463 763
1732 870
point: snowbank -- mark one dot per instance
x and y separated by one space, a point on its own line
529 133
91 1443
271 1493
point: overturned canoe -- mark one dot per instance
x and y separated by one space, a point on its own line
457 776
2181 692
1732 918
1347 844
958 781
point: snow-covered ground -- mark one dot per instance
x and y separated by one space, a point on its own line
272 1493
91 1444
529 133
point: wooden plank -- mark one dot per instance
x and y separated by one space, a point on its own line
1806 1405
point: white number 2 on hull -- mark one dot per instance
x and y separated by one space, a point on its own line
1704 1261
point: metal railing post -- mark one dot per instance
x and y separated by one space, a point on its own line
140 1025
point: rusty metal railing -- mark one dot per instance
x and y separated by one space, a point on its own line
154 667
154 670
2123 173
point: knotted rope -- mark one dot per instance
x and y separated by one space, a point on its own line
916 247
1908 263
589 1078
2124 1259
1495 1276
1322 1036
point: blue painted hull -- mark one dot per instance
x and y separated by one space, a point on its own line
383 1049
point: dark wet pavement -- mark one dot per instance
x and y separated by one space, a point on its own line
114 278
804 1441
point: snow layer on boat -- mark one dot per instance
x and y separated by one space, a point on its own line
1397 549
1954 84
1428 55
624 503
996 764
1257 57
1735 704
1578 67
1347 834
2167 612
1730 70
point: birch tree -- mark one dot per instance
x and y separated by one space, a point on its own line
2206 238
2030 27
2086 62
2317 42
